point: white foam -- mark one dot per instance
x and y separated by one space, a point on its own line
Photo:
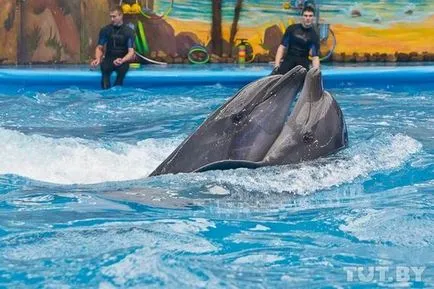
182 227
399 226
256 259
86 241
125 251
382 153
74 160
260 228
217 190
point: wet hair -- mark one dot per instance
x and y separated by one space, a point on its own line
308 8
116 8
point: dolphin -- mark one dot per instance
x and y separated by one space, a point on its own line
243 128
315 128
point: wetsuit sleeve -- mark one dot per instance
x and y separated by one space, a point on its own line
130 40
286 39
315 44
103 36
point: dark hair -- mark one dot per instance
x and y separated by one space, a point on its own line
308 8
116 8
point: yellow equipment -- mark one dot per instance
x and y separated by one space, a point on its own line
131 9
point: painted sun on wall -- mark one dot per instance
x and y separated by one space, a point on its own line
66 31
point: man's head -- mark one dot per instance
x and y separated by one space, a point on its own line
307 16
116 15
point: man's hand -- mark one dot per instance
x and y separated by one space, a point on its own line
99 53
275 70
118 61
315 62
95 62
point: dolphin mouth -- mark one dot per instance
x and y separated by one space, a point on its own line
296 75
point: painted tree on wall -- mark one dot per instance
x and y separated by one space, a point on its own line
46 31
92 24
234 27
49 31
8 31
216 28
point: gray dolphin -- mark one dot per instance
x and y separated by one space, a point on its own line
243 128
315 128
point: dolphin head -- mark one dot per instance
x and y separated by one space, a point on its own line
260 98
313 87
289 82
315 128
271 110
261 122
241 129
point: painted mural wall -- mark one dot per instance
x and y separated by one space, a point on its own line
8 31
66 31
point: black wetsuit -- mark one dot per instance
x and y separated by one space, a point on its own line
117 39
299 41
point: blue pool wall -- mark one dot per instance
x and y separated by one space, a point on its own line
151 76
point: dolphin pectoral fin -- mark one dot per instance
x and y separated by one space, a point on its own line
229 165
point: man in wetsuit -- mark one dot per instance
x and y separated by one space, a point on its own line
117 40
297 42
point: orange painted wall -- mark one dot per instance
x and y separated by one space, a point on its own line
66 31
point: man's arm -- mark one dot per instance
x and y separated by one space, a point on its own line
129 56
284 43
99 52
315 51
279 55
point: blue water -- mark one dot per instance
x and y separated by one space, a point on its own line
78 211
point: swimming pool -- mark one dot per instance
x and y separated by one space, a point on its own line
77 210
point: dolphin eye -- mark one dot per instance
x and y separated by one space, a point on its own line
237 117
308 137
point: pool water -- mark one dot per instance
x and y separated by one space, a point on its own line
77 209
